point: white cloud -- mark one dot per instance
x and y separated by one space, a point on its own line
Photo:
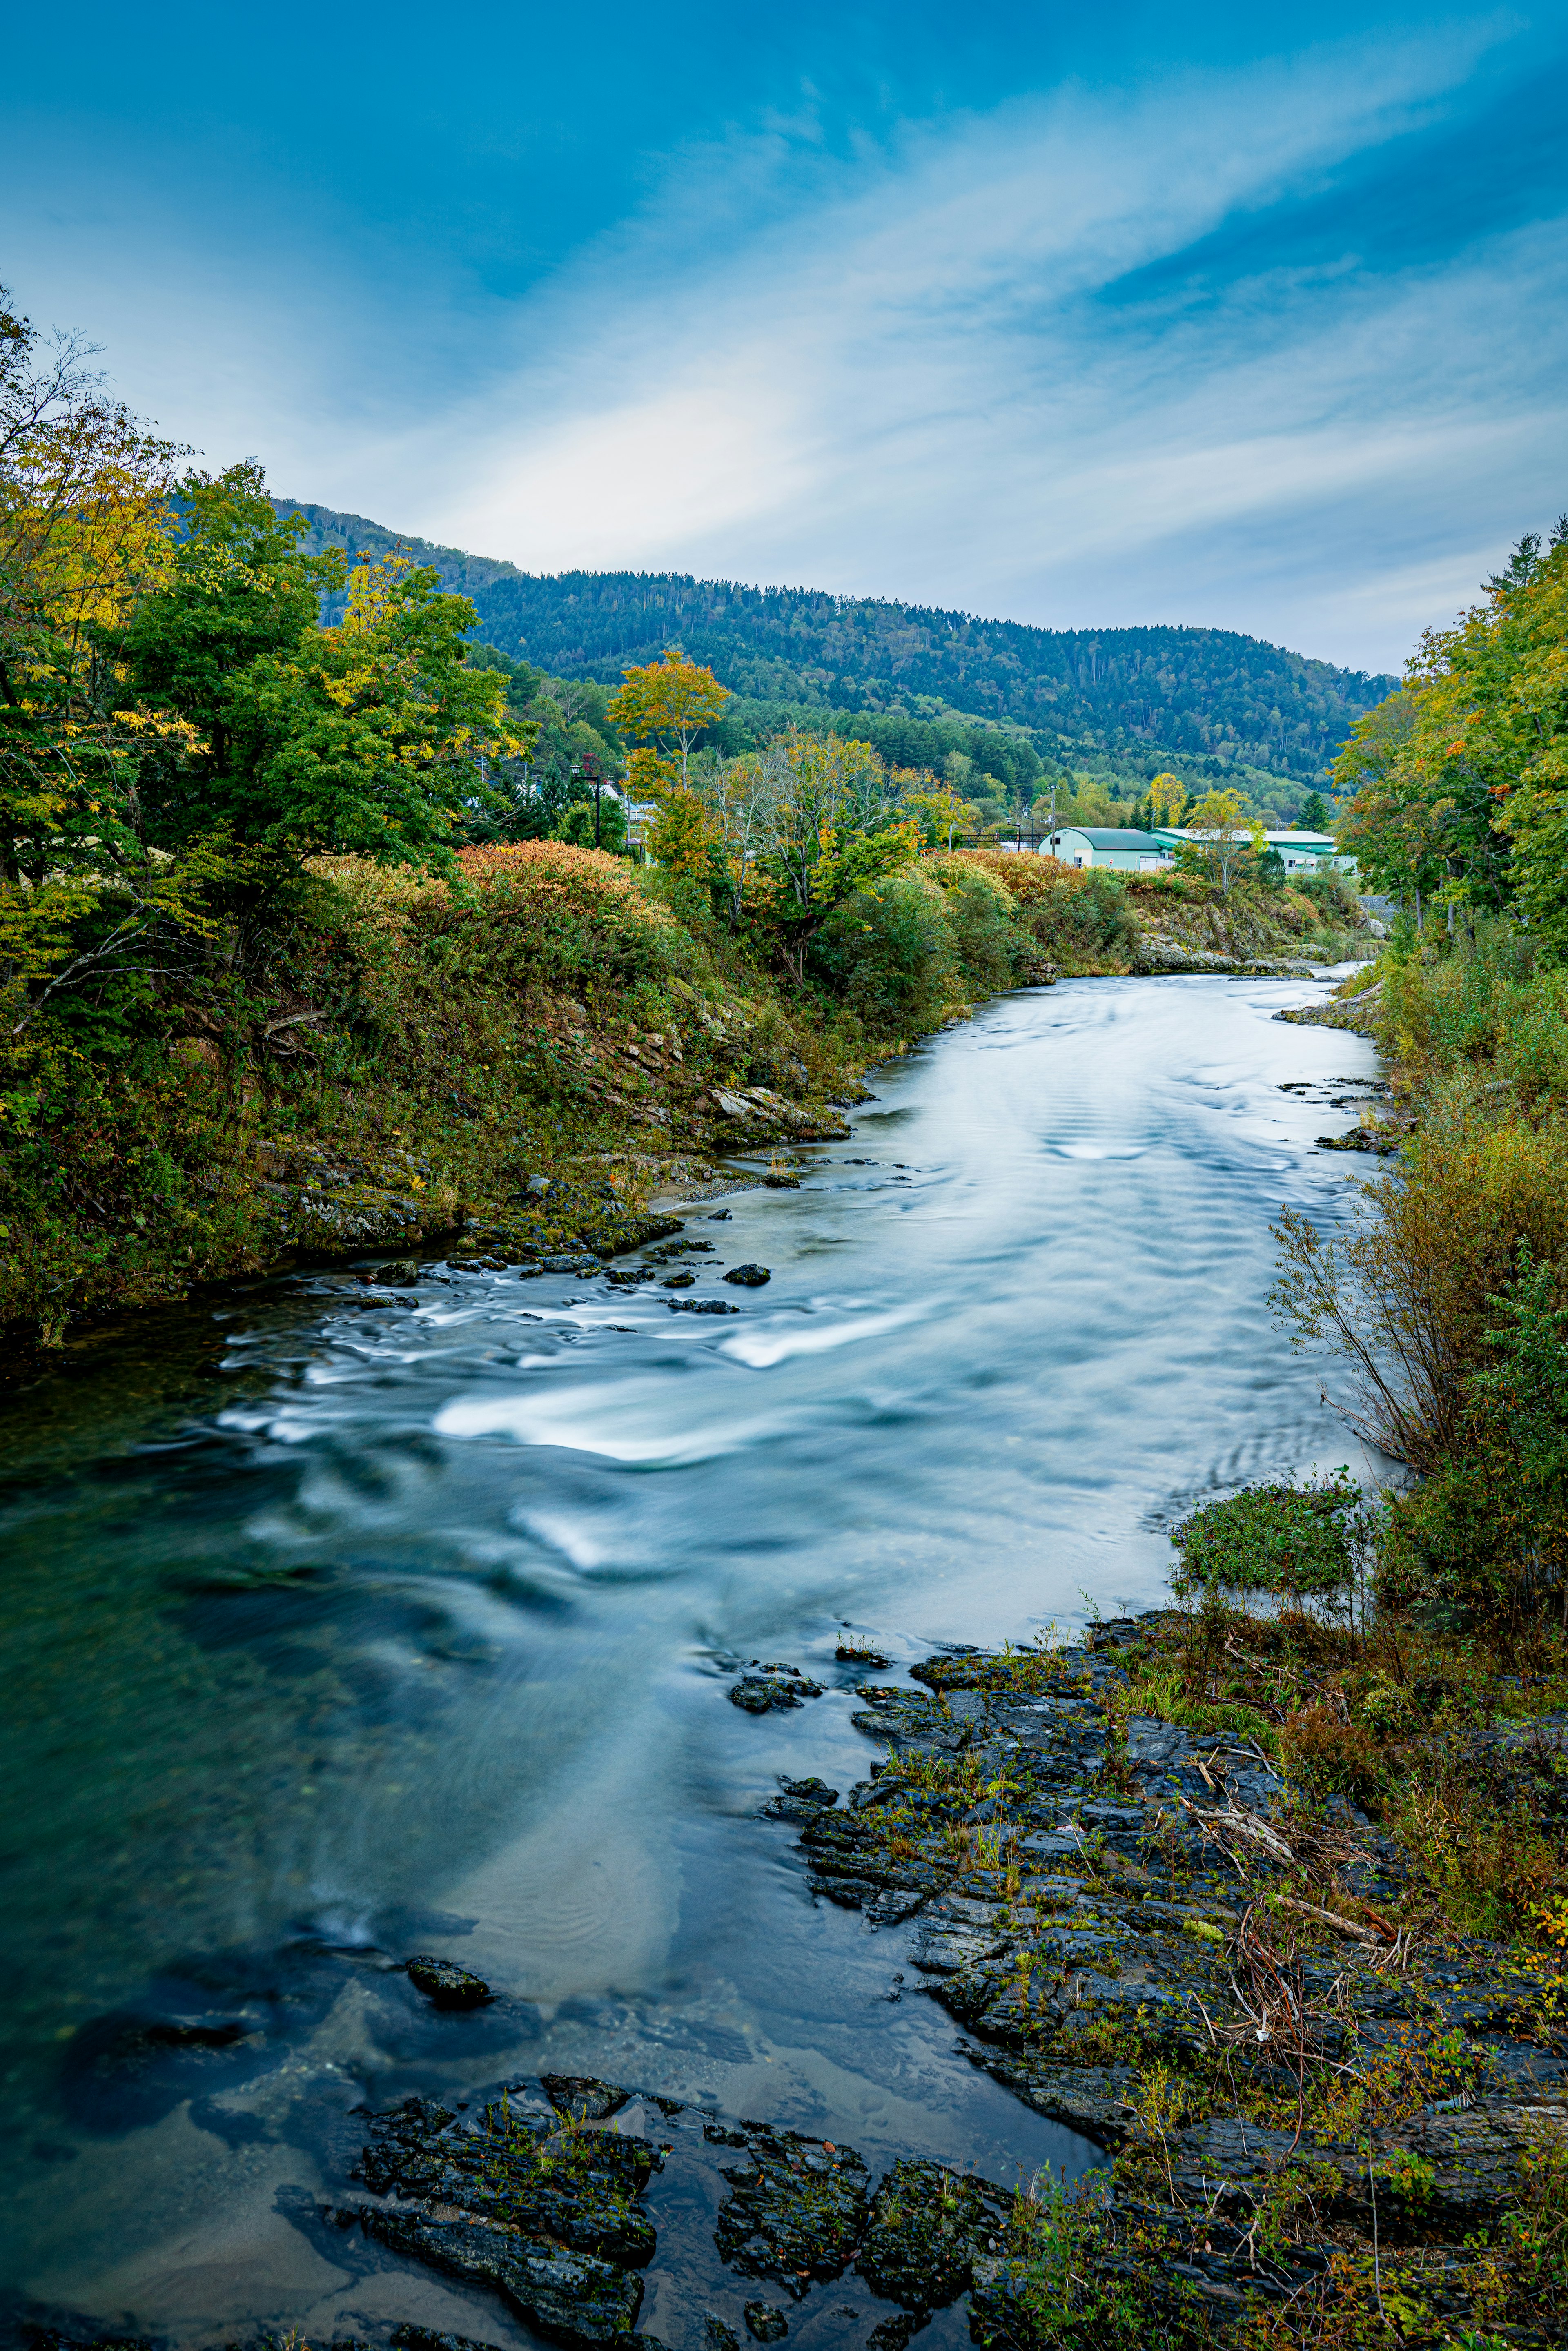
929 369
929 380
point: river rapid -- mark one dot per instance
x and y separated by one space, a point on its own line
333 1635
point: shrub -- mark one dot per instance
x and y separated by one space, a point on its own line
889 952
982 919
1406 1297
1288 1540
1330 1756
1484 1538
1081 919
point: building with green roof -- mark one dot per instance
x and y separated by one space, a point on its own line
1126 851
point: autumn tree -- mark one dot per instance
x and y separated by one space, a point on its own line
663 708
1222 833
943 814
1459 780
1166 798
1393 825
84 492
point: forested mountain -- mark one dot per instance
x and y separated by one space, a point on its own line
1196 694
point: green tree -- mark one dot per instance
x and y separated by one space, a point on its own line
84 495
1315 816
372 737
1223 835
1459 781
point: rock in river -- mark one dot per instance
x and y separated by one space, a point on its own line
749 1277
769 1686
448 1985
551 2219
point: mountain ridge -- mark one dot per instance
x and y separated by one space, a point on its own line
1197 694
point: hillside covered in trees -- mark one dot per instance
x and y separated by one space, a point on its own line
1142 695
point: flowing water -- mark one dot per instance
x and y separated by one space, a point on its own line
333 1635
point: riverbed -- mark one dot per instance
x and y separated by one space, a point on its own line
335 1632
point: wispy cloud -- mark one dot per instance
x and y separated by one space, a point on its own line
1279 347
939 374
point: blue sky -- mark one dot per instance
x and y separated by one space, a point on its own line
1084 317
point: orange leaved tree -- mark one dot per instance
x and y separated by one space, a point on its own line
663 708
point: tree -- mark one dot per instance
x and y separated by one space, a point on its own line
577 824
830 832
84 493
1315 816
1166 798
372 737
739 796
1459 780
663 706
943 814
1217 822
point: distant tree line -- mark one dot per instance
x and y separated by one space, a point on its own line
1199 694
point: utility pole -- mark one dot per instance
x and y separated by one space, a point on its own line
591 769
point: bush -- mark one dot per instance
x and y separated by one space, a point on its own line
1330 1757
1484 1538
1083 919
982 921
1482 1008
1291 1541
1334 895
889 952
1408 1297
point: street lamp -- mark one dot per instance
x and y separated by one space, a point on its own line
591 769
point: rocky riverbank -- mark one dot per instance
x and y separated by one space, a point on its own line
1316 2101
1317 2097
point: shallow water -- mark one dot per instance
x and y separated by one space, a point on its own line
331 1636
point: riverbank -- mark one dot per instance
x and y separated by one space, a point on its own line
1325 2092
517 1062
1330 2110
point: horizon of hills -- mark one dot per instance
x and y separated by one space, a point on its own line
1212 701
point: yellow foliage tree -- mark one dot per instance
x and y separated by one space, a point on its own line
84 519
1167 797
663 706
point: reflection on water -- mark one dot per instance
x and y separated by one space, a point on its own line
331 1633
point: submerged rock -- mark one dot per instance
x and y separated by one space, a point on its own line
798 2211
445 1983
773 1685
765 2323
550 2218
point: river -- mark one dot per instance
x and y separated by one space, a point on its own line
333 1635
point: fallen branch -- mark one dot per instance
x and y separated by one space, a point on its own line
1239 1822
1329 1917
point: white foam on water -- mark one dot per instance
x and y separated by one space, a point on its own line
566 1535
640 1427
1099 1150
760 1349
